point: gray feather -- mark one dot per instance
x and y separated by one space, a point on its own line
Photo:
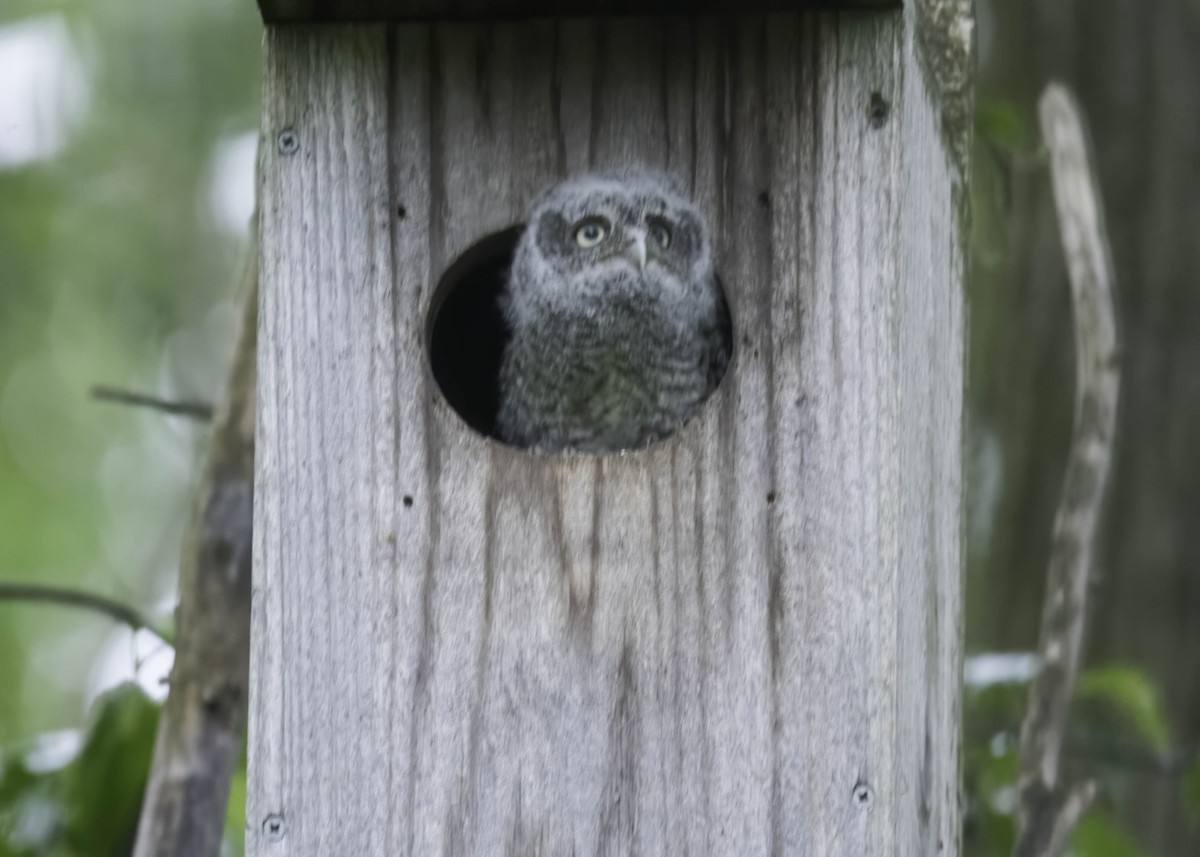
607 353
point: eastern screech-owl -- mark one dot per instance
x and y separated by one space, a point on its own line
619 328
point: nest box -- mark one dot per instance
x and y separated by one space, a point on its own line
742 640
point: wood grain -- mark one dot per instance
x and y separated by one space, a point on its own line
295 11
742 641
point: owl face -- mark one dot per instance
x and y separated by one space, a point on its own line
632 231
618 327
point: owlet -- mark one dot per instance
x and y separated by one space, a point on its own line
619 330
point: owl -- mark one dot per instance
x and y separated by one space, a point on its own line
619 329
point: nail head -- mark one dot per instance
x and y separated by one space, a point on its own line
288 142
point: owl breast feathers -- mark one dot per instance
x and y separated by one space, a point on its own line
619 330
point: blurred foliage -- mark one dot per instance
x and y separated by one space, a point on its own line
1191 793
114 268
1098 835
89 806
1000 127
86 802
1004 142
1129 693
118 262
1117 728
1119 733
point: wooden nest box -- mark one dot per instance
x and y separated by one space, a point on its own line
742 640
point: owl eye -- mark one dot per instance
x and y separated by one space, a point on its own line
591 232
659 232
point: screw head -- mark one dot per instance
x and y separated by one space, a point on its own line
288 142
273 828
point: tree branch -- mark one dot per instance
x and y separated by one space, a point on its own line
1046 811
201 731
67 597
194 410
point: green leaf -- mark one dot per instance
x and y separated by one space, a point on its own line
104 784
1129 690
1097 835
88 806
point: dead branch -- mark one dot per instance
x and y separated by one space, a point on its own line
1047 811
199 411
201 731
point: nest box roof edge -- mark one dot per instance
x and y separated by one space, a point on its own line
313 11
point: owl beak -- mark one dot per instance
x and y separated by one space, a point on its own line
637 250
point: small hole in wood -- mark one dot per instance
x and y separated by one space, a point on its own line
401 212
877 111
408 501
770 497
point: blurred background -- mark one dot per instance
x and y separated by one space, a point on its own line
127 144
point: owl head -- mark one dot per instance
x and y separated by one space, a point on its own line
594 235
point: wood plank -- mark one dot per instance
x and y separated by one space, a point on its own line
285 11
741 641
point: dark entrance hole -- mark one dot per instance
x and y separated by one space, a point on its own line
468 333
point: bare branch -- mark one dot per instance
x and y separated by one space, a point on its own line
194 410
1046 812
1048 821
201 731
68 597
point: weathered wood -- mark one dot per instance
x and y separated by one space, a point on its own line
294 11
744 640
